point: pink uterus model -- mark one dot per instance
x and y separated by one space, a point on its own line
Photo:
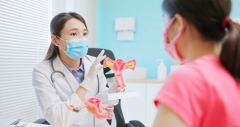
95 107
117 67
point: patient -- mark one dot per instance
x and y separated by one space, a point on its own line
206 91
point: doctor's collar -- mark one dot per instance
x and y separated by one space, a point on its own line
81 68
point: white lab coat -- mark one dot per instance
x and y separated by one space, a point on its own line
54 104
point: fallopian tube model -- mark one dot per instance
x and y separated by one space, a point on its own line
95 107
117 67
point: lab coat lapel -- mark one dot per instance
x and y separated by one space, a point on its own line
58 65
87 63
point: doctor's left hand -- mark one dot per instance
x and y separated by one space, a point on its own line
96 66
93 71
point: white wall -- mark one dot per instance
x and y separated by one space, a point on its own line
87 9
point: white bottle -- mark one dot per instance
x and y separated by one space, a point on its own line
162 70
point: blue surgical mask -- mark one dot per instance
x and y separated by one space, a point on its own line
76 48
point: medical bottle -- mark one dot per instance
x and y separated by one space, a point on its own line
162 70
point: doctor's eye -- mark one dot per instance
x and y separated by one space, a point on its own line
85 34
73 34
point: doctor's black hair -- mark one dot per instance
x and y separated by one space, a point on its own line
56 26
207 17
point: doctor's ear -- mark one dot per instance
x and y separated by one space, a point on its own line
55 40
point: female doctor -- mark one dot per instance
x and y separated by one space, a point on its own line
68 76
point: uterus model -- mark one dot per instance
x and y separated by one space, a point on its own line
117 67
93 104
95 107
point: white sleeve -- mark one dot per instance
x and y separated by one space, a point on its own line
55 110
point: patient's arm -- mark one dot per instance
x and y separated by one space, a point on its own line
167 118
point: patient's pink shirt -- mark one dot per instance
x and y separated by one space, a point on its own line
203 94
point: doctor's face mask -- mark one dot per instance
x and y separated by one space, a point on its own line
76 48
171 45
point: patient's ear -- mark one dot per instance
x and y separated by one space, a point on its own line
181 23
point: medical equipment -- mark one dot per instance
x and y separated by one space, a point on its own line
118 66
95 107
76 48
162 70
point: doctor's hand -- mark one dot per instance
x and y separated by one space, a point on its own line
96 66
93 71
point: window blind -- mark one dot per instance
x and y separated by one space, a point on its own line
58 6
24 27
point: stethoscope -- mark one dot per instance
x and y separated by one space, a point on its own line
53 81
56 71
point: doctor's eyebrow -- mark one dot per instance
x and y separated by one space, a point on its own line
73 29
77 29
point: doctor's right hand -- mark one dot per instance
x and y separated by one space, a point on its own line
93 71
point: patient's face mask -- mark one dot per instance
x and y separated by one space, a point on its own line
171 46
76 48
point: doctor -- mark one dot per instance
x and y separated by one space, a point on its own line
68 76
